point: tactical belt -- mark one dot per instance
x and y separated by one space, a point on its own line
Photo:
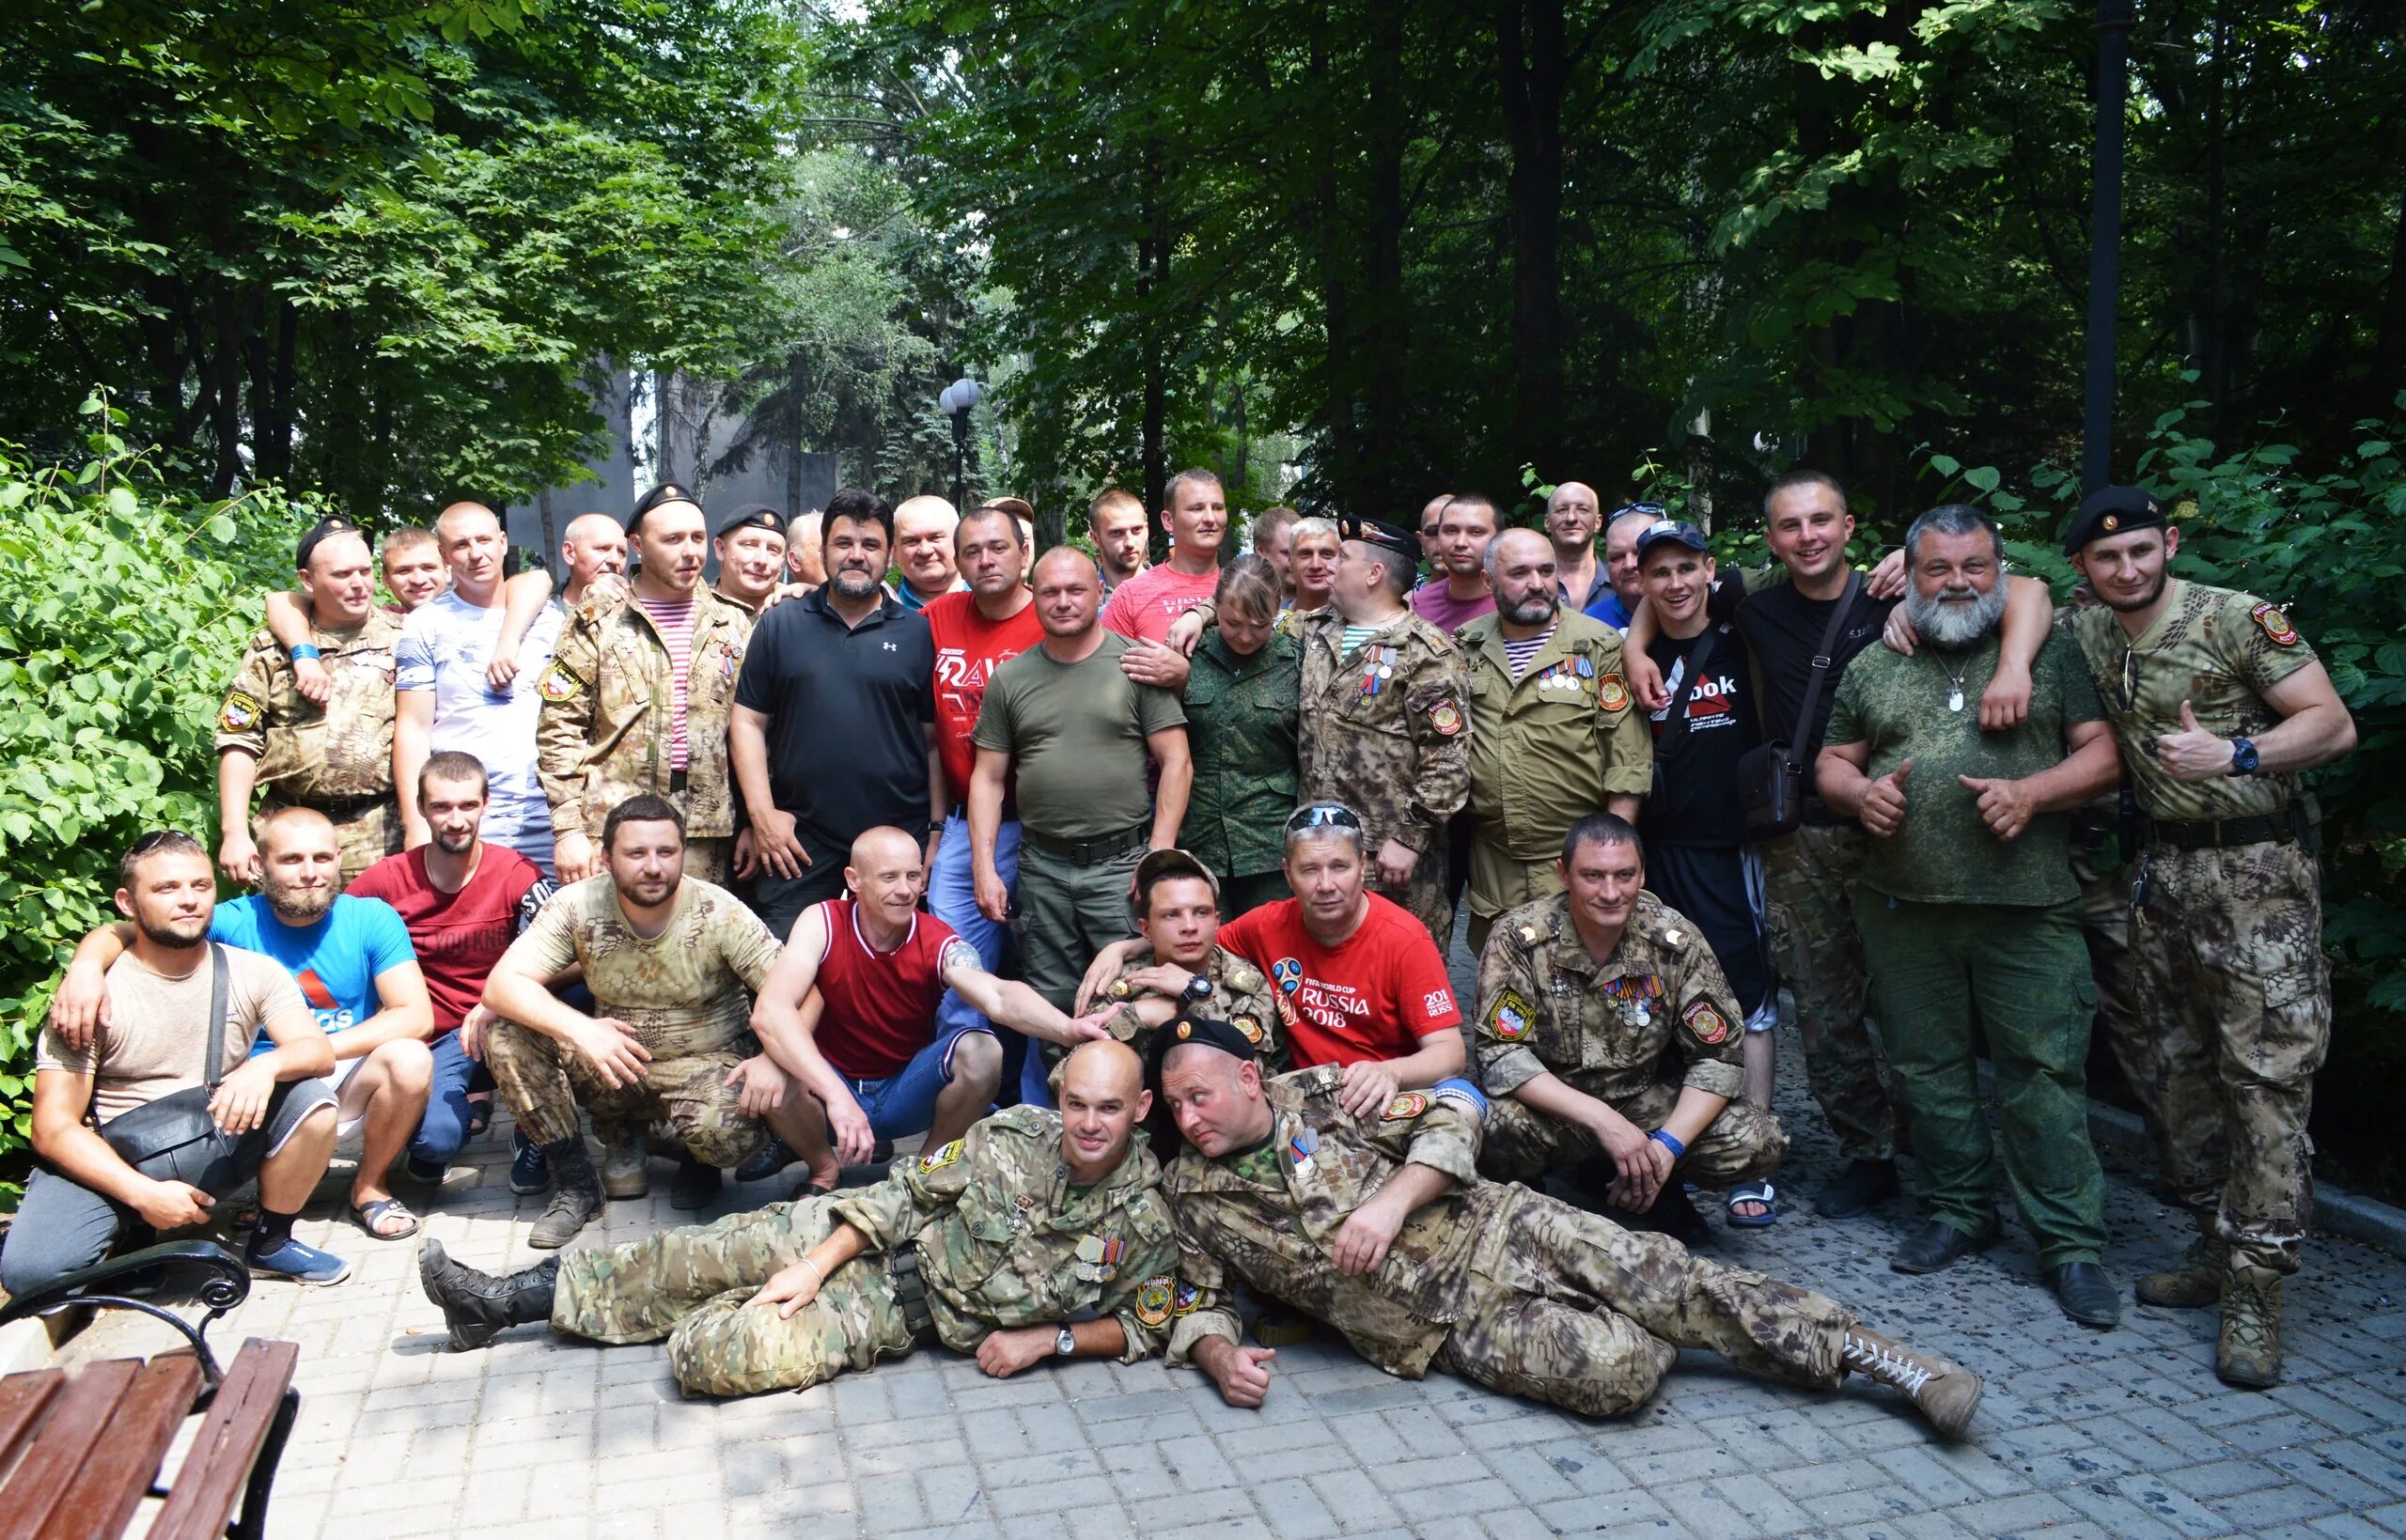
677 783
1011 811
910 1289
1085 853
340 808
2286 826
1820 815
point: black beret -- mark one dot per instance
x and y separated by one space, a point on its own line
2112 510
754 515
334 523
667 491
1378 532
1185 1027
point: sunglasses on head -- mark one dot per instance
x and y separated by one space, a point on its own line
1322 816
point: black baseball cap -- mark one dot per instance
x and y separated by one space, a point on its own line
2112 510
334 523
1674 531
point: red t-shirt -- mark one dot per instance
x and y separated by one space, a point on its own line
881 1005
969 647
1375 997
1145 607
457 935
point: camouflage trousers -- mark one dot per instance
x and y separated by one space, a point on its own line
1745 1143
690 1286
2236 995
2105 927
541 1081
367 836
712 860
1809 875
1578 1313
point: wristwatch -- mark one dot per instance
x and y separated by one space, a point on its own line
1198 988
935 826
2244 758
1066 1343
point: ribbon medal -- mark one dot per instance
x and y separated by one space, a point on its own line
1306 1141
1098 1258
1634 995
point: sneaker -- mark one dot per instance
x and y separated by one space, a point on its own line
774 1157
695 1186
626 1168
425 1172
530 1173
299 1262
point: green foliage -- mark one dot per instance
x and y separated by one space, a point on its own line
122 598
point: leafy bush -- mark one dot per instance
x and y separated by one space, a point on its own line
124 603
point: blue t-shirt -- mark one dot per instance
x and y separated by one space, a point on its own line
334 961
1610 610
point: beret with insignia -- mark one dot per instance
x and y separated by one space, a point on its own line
1378 532
1188 1028
2112 510
318 532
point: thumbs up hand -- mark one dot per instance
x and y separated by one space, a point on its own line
1883 805
2005 805
2193 753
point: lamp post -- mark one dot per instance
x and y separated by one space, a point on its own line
958 399
2114 18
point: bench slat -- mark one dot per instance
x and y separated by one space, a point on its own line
80 1416
22 1399
218 1466
119 1470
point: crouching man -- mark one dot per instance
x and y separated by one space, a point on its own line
1036 1235
1381 1226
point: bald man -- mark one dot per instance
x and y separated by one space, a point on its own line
850 1007
1572 515
923 529
1035 1235
459 691
805 560
593 546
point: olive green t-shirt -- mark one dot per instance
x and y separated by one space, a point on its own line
1077 736
1944 853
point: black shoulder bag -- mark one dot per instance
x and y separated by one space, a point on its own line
1770 778
175 1139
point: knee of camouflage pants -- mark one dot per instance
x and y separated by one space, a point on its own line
706 1114
529 1072
1594 1362
1522 1144
727 1347
1745 1144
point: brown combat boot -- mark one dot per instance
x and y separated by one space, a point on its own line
1940 1389
2192 1283
2249 1352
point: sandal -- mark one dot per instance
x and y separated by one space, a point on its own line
1761 1192
479 1114
372 1218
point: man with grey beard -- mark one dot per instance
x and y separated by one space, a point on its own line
1968 909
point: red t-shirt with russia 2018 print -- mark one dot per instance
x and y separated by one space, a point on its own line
1373 996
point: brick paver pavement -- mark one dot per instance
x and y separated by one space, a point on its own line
2126 1434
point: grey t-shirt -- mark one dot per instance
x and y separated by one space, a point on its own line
158 1028
1077 734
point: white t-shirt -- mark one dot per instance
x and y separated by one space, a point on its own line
445 645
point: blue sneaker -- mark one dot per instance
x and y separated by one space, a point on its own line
301 1263
530 1173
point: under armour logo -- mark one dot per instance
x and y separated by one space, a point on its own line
889 646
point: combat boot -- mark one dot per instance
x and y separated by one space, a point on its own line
626 1167
2249 1352
2192 1283
1940 1389
576 1195
475 1305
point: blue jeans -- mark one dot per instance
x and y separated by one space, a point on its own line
444 1127
904 1102
952 897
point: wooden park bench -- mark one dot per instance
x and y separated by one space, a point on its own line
79 1452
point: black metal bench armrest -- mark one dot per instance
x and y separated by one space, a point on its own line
227 1283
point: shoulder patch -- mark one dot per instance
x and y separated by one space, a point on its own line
1447 718
1406 1104
938 1159
1612 692
1188 1298
1510 1017
559 683
1246 1023
1708 1025
1155 1298
241 714
2276 625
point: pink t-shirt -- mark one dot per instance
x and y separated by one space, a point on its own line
1145 607
1433 603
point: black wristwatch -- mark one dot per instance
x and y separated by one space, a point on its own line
1197 989
2244 758
935 826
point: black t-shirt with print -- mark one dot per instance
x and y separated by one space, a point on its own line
1696 783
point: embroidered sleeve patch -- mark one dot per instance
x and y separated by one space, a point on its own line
1612 692
1248 1024
1406 1104
1446 718
2276 625
938 1159
1153 1299
1509 1018
1188 1298
559 684
1708 1025
241 714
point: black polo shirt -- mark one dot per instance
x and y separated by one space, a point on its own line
847 715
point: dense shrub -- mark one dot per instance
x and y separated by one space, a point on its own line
123 604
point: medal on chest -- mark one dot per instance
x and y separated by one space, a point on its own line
1378 667
1098 1258
1299 1149
1635 997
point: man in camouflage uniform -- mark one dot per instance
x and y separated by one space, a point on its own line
337 757
626 712
1178 964
1384 728
1038 1234
1550 743
1590 1002
673 964
2216 703
1381 1226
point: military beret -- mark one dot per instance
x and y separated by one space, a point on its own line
334 523
755 515
1186 1028
667 491
2112 510
1378 532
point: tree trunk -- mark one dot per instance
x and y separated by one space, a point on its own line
1533 70
1389 475
1152 276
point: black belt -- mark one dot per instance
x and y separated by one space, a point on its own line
1820 815
1010 812
1086 853
2286 826
910 1288
677 781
